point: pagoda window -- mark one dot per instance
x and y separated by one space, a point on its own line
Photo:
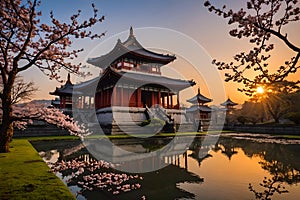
130 65
68 98
119 64
127 65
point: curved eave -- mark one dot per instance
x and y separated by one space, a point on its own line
228 102
87 86
133 46
61 93
199 108
66 89
136 51
143 78
139 53
199 98
175 84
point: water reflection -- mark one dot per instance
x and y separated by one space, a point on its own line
233 168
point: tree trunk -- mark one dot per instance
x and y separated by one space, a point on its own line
5 137
6 128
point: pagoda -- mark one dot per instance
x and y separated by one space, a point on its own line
131 88
64 102
229 106
199 112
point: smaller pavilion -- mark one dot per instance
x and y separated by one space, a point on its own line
229 106
70 96
64 102
199 112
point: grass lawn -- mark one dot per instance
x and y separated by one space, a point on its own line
24 175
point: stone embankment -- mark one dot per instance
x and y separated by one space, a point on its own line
272 129
40 129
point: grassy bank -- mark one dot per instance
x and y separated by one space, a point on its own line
24 175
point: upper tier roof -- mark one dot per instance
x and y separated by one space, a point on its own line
131 48
228 102
66 89
199 98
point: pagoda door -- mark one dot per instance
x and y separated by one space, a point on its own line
147 98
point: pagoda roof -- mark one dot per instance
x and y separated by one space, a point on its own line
56 101
228 102
131 48
87 87
199 108
199 98
65 90
140 77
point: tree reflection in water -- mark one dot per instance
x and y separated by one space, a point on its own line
280 173
270 186
279 160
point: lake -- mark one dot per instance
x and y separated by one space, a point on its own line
237 166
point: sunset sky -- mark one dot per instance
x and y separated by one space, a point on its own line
189 18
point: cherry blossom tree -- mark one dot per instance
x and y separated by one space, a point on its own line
24 114
26 42
262 22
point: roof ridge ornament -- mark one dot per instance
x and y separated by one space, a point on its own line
131 31
69 79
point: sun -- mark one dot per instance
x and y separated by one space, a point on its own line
260 90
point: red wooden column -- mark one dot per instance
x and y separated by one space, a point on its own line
100 99
178 106
139 97
121 96
109 97
171 96
152 98
158 98
163 101
64 102
104 98
114 100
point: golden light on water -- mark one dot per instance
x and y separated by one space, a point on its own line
260 90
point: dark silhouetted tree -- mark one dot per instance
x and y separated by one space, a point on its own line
262 22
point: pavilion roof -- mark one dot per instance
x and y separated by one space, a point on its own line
198 108
65 90
229 102
129 76
199 98
55 102
86 87
131 48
